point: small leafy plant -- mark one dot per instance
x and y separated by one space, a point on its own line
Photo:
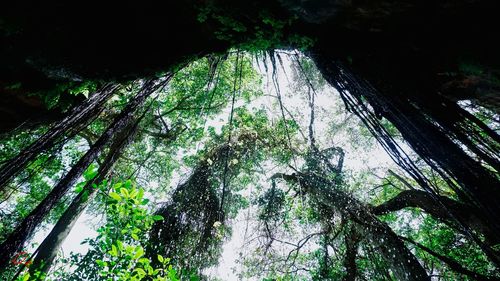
118 251
122 239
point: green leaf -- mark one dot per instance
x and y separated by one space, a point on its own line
172 274
128 183
114 251
194 278
120 245
133 194
130 249
158 218
140 271
115 196
124 192
139 253
135 236
79 187
141 194
90 173
117 185
85 195
160 258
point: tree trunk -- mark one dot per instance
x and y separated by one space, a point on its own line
18 237
195 207
50 246
402 262
190 216
70 125
421 125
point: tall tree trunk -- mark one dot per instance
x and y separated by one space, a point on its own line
70 125
195 207
190 216
402 262
433 137
18 237
50 246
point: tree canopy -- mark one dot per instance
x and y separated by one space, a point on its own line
250 147
178 166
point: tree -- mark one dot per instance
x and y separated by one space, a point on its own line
68 126
49 248
319 214
120 246
18 237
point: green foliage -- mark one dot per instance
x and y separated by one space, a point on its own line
120 239
181 131
24 194
271 204
266 32
471 68
118 252
59 96
88 175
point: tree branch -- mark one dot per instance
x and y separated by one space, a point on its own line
452 264
452 210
